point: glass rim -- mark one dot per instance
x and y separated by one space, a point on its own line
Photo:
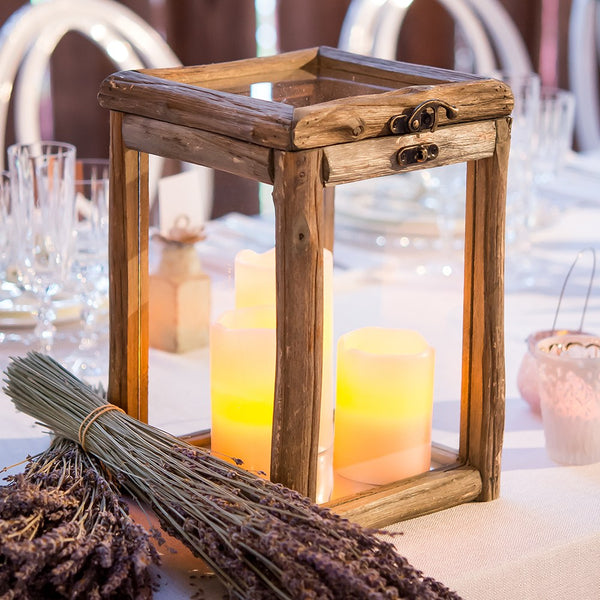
56 148
99 162
544 347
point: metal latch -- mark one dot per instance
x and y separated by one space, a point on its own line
422 117
417 154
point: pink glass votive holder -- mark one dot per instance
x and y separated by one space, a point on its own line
527 377
568 369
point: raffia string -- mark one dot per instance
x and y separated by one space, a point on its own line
91 417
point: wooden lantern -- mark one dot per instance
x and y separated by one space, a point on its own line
333 118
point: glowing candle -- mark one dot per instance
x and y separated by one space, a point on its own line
242 381
384 404
254 278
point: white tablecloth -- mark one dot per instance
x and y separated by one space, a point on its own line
541 539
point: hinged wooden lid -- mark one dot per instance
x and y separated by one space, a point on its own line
307 99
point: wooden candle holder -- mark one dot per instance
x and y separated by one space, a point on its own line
333 118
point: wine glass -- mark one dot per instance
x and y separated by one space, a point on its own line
444 193
8 289
521 218
90 262
10 292
554 137
42 181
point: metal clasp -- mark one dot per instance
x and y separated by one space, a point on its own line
420 153
422 117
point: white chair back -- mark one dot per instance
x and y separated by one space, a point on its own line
29 37
584 48
373 27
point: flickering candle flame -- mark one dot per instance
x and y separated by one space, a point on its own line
384 405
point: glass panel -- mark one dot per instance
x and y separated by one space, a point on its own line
305 93
298 88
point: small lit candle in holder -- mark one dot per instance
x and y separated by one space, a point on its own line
242 380
384 406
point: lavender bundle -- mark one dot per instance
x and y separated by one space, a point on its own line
66 533
261 539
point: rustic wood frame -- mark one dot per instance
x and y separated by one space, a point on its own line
194 114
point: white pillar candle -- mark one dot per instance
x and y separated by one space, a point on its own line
242 382
254 278
384 404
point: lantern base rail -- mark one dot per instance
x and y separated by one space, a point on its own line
448 483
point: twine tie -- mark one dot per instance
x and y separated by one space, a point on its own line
91 417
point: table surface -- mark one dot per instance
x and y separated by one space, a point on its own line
541 538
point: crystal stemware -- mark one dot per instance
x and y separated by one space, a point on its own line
444 193
521 268
90 262
42 176
8 241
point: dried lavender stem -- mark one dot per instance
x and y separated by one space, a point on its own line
262 540
66 533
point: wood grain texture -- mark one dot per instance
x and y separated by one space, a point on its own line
200 147
367 116
403 73
249 119
324 60
444 456
301 151
483 387
356 161
201 438
329 217
441 456
128 270
256 68
175 96
410 498
298 200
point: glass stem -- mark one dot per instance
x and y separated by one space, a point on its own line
45 329
89 337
